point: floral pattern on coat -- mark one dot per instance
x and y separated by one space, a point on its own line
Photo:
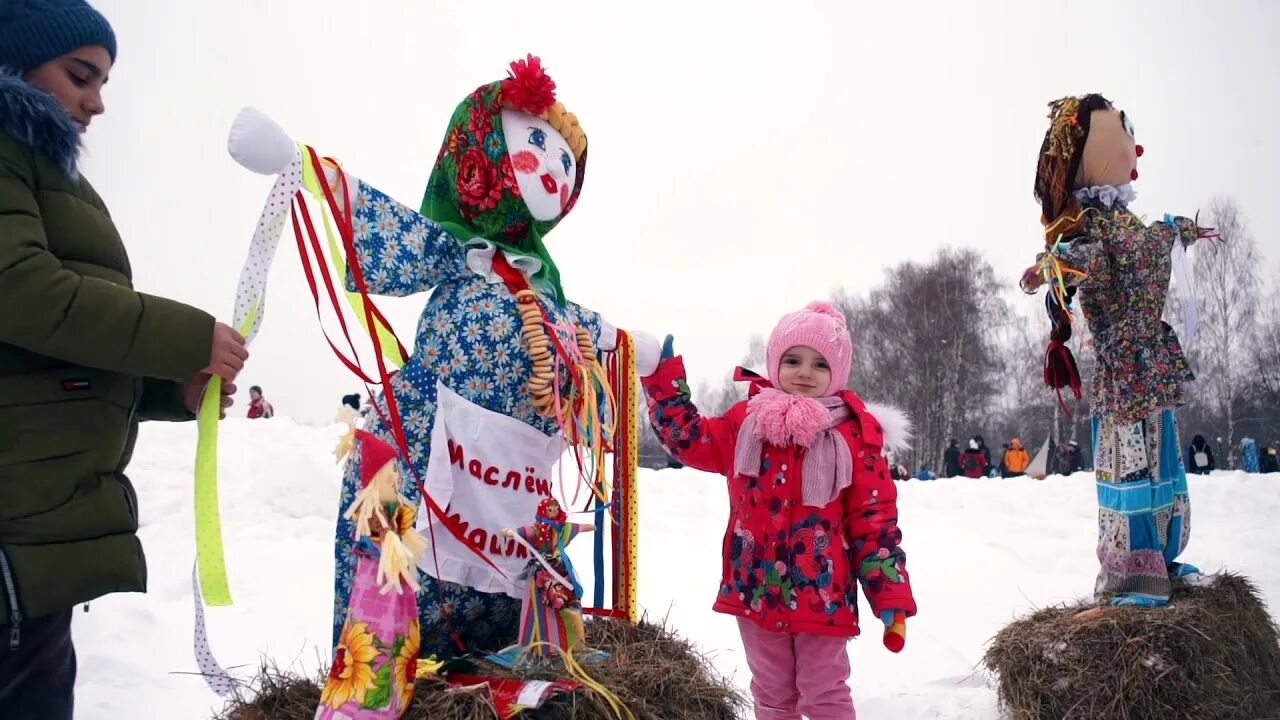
788 566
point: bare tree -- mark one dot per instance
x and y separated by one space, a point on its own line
925 340
1266 356
715 400
1024 407
1228 279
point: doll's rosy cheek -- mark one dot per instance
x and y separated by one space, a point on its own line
525 162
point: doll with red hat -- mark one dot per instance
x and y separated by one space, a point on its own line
551 613
1098 249
375 662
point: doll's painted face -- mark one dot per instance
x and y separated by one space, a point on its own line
1110 152
545 167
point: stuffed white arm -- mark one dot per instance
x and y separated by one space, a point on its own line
648 352
608 341
648 349
260 145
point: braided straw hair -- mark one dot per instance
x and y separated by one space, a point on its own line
1059 164
566 123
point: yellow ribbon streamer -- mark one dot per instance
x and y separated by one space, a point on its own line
575 671
209 552
387 339
631 494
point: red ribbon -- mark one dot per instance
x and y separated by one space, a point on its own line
345 231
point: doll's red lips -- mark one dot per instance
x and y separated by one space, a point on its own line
549 183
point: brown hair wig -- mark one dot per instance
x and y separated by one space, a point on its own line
1059 164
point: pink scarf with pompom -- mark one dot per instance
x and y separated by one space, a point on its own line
779 419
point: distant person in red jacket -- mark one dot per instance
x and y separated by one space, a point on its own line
813 511
974 462
258 405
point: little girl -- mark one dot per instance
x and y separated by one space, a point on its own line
812 508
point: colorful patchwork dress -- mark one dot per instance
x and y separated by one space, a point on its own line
552 613
1143 507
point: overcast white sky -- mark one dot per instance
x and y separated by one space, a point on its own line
745 157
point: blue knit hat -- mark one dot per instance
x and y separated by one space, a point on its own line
33 32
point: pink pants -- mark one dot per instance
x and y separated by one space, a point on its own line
794 675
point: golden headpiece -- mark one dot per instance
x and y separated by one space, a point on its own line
1064 128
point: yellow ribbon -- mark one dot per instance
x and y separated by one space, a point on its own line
209 552
387 339
631 495
1055 272
575 671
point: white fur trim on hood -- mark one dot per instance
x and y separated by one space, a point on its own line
894 423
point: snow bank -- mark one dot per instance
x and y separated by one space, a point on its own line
981 552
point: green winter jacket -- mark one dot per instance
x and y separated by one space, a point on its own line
83 358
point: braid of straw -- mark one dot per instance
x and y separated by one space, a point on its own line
566 123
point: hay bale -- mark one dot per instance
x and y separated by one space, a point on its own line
1212 654
657 674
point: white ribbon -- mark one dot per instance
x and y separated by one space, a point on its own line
1184 280
251 292
250 304
214 676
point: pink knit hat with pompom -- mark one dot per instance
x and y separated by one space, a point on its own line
819 326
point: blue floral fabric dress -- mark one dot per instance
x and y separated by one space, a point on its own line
468 338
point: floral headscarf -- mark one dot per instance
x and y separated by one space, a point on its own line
473 192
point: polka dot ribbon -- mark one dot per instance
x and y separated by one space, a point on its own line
210 572
214 676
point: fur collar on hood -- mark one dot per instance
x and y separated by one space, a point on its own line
895 424
34 118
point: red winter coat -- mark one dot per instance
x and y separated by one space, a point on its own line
260 408
973 463
787 566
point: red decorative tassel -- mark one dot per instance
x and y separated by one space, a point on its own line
1060 371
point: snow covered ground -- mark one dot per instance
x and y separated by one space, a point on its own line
981 552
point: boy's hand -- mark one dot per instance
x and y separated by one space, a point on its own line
227 357
193 389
